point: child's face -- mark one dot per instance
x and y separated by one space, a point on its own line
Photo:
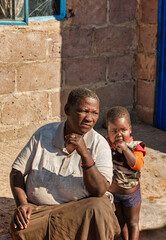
119 130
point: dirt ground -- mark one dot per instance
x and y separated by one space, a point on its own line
153 182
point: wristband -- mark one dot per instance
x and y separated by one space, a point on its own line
88 164
86 167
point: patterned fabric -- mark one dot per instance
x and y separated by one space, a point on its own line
129 200
123 175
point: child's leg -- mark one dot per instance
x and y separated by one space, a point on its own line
121 220
131 215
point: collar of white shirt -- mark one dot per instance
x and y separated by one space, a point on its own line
58 140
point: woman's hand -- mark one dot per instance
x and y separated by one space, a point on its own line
78 143
95 182
22 216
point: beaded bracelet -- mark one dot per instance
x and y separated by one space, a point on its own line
88 164
86 167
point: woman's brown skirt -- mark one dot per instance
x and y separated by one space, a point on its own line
90 218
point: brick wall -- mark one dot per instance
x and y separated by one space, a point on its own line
96 48
146 60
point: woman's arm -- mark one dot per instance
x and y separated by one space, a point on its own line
94 181
23 211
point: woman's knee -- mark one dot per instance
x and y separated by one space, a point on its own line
99 203
16 234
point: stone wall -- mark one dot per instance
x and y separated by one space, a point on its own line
146 60
95 47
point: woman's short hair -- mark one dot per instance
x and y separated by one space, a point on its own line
78 93
117 112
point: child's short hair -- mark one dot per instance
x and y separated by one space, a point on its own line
117 112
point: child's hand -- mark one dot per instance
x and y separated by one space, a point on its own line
121 144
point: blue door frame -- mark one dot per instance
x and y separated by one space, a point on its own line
160 94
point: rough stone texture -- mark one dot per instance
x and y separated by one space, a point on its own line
122 11
148 39
18 46
120 68
115 39
39 76
145 114
76 74
146 60
25 108
115 94
7 78
149 11
56 104
77 42
146 94
45 60
107 46
146 67
93 12
54 41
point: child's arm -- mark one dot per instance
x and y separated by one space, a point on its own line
134 158
139 160
129 155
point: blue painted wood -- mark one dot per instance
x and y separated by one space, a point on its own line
15 22
26 11
63 9
160 93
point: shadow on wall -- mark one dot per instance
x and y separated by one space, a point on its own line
92 50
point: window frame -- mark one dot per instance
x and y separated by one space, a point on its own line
27 19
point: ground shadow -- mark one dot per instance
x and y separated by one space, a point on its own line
7 206
150 234
153 234
153 137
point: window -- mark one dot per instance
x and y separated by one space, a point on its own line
19 12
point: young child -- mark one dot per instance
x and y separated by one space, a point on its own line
128 159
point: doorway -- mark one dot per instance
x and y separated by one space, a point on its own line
160 94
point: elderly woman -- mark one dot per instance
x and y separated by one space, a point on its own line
60 178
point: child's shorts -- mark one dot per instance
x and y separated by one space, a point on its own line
129 200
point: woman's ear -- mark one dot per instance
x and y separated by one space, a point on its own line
66 109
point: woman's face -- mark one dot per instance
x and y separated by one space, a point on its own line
82 116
